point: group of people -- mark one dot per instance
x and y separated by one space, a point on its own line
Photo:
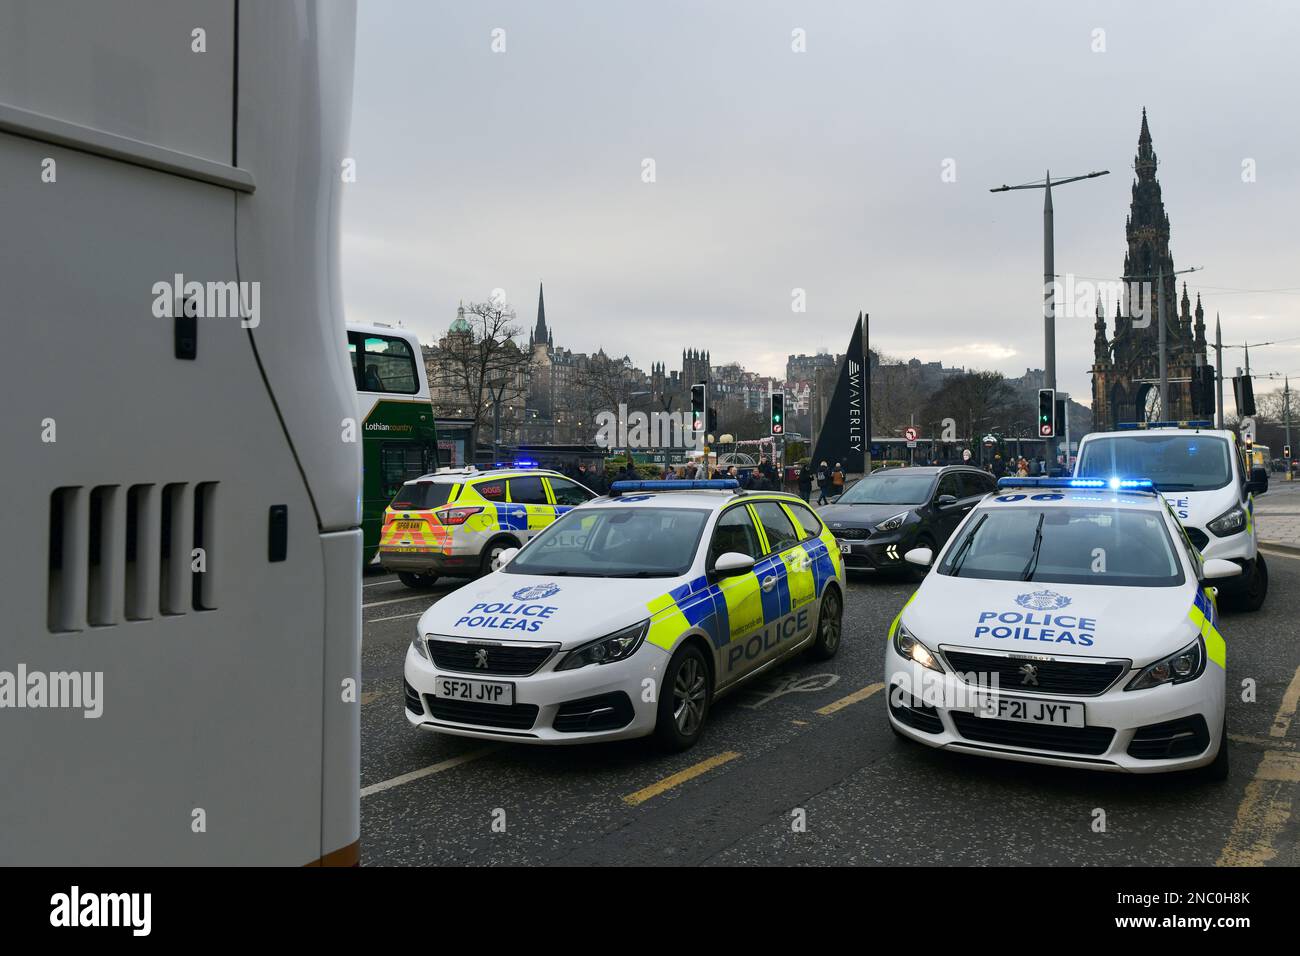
1016 467
830 481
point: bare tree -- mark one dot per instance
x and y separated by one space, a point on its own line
481 364
598 383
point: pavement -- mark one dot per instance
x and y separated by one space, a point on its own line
803 769
1278 514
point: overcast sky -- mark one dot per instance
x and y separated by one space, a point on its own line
821 170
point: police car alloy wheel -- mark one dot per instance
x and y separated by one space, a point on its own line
830 627
684 700
492 553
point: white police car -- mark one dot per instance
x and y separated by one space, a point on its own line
1205 476
1067 621
628 616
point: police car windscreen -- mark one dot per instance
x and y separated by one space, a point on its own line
419 495
887 489
1079 545
1174 462
616 543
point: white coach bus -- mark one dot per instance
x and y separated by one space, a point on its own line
180 644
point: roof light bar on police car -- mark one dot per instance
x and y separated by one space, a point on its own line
1114 483
674 484
1135 426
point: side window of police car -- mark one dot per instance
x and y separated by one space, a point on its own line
780 532
809 522
734 532
491 490
569 493
527 491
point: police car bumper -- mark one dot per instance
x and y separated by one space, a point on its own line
430 560
1160 729
596 702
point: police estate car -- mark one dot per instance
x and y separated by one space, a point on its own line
628 616
1068 621
1207 479
459 521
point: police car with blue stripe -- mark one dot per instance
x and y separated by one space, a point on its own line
1067 621
628 616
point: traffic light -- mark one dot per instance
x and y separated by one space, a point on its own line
1047 413
1243 390
778 413
1286 453
697 407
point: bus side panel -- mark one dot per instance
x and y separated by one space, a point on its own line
207 743
294 113
341 774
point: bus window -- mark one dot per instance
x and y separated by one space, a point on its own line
386 365
398 463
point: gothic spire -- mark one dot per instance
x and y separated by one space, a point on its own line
539 333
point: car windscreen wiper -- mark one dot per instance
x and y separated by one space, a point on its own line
964 548
1032 564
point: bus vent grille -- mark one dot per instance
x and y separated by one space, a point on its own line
120 553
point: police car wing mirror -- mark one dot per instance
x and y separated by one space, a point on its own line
921 556
1220 568
732 563
504 558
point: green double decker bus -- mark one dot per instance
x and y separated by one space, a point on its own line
398 437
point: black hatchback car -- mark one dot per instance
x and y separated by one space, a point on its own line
890 512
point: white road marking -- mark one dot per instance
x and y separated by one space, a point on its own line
414 597
375 584
429 771
395 617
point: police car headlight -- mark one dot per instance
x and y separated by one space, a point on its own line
421 648
1187 664
618 646
1230 522
894 523
910 648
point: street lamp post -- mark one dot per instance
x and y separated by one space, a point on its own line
1049 267
497 389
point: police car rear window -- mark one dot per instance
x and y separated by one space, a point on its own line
1077 545
420 495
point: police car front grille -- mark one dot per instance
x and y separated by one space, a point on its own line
1198 537
1023 736
514 716
1084 678
506 660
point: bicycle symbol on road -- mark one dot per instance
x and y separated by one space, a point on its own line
792 684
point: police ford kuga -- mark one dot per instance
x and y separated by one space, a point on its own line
459 521
1068 621
1207 479
628 616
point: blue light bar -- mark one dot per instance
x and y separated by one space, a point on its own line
1113 484
675 484
1135 426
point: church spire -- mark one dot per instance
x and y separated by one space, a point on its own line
539 333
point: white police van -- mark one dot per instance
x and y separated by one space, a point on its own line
628 616
1203 474
1067 621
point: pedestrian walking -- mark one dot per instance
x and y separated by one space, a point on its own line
823 482
837 480
805 480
